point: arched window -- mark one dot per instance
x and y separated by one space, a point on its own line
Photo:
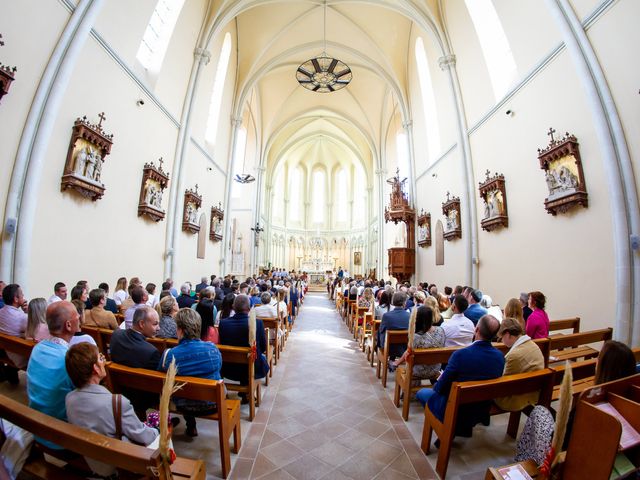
218 88
156 37
294 194
341 190
428 101
359 196
495 46
238 161
319 192
402 151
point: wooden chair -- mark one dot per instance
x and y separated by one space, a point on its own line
365 329
137 459
273 325
269 355
565 324
119 318
392 337
242 355
358 320
373 346
575 346
462 393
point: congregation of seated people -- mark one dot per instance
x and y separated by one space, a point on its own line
65 369
468 319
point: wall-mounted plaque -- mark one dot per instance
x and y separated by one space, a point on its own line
154 181
494 198
451 211
88 148
7 76
562 165
192 202
215 228
424 229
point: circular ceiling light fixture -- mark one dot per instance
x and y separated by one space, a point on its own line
244 178
323 74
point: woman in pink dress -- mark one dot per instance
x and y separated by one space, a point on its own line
538 321
37 328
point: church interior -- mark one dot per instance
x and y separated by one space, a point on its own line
184 138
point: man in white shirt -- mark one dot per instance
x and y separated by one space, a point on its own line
59 293
267 309
458 330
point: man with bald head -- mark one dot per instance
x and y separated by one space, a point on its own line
234 331
47 379
478 361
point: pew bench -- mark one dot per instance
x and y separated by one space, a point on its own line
583 374
462 393
431 356
133 458
372 344
365 330
575 346
273 324
227 416
565 324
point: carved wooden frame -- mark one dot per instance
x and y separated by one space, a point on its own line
424 220
193 199
85 135
490 188
7 76
565 150
452 205
217 216
149 205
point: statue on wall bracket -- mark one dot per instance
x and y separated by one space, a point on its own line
424 229
562 167
7 75
192 202
451 211
494 198
87 151
215 228
154 182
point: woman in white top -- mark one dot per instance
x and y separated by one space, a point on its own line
153 299
121 294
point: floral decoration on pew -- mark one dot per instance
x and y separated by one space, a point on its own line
252 333
167 454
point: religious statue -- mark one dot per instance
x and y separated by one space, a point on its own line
560 180
98 169
81 161
452 220
151 195
91 164
423 233
158 199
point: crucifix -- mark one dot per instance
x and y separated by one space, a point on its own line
160 162
102 118
550 133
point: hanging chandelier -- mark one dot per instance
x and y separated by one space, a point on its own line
323 73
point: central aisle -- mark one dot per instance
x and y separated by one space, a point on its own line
325 414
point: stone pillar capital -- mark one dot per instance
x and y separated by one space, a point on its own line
446 62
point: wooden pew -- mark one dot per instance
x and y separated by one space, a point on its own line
242 355
358 320
583 374
575 346
371 348
431 356
124 455
228 415
365 329
269 354
565 324
15 345
392 337
462 393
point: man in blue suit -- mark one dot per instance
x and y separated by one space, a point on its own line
475 311
234 331
478 361
396 319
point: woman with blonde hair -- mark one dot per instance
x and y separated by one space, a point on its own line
120 294
432 303
37 328
513 309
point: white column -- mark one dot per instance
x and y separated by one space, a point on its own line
176 187
625 212
382 253
23 196
468 199
225 245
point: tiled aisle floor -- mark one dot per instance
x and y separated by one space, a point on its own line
325 414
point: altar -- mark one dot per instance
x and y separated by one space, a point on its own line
316 266
317 278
